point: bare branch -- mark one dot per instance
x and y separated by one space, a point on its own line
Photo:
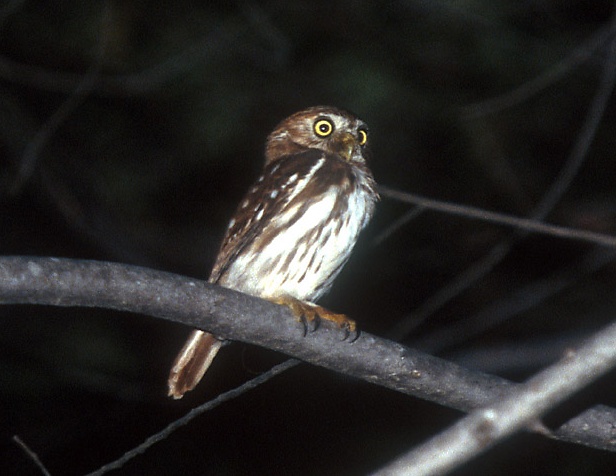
267 48
533 87
191 415
397 224
530 225
32 455
483 428
230 314
517 302
35 146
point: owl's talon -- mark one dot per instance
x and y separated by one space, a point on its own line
350 331
309 313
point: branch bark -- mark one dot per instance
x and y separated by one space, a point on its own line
231 315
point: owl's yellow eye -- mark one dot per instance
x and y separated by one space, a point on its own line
323 127
363 136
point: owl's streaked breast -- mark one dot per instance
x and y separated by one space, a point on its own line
302 249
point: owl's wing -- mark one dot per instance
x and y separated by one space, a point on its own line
280 186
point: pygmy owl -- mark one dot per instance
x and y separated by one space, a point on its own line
295 229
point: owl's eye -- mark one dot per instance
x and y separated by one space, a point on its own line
323 127
363 136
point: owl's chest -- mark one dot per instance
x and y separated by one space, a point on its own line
303 248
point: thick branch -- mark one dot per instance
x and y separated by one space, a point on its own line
230 314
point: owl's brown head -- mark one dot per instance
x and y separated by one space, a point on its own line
325 128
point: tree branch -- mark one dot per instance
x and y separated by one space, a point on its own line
230 314
484 427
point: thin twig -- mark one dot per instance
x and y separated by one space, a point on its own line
530 88
32 455
531 225
221 38
519 301
36 145
397 224
194 413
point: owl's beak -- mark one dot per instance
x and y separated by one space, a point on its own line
345 144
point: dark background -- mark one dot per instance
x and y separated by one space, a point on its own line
145 163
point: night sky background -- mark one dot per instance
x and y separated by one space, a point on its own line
129 130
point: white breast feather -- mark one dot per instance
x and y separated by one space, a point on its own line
260 273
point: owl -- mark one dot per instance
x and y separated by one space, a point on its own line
296 227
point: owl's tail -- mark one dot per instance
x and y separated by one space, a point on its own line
192 362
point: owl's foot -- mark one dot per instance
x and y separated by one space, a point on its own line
311 314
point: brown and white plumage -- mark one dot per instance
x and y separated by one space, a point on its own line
295 229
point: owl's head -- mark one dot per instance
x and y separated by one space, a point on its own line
325 128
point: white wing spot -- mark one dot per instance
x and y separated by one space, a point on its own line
245 203
292 178
231 223
259 215
274 194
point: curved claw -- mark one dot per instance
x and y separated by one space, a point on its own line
310 323
304 322
347 332
350 331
